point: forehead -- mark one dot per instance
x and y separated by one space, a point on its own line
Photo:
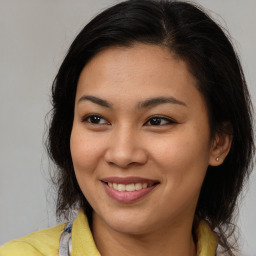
139 71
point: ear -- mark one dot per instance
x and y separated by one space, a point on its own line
221 145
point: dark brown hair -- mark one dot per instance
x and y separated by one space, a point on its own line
194 37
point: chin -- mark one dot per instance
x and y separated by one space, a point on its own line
130 222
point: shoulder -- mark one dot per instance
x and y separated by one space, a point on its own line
43 242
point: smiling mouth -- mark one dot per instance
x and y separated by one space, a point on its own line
129 187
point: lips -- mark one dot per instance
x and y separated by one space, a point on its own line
128 189
129 180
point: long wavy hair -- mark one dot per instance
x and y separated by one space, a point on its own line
187 31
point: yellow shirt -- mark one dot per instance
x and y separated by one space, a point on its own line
46 242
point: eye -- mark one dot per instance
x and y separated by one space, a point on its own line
159 121
95 119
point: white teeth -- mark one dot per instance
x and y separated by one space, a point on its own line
121 187
138 186
129 187
115 186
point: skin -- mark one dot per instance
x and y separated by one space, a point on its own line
124 141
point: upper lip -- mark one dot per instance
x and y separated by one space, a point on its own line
129 180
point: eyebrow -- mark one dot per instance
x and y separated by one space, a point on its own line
151 102
160 100
96 100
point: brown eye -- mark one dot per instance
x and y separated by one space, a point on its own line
95 119
159 121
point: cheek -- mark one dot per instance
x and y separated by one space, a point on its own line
85 151
184 156
183 161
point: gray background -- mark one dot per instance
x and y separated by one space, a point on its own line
34 37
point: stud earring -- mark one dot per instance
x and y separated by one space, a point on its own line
217 159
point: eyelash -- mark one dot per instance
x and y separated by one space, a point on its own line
168 121
88 117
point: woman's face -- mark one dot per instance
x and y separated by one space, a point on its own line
140 141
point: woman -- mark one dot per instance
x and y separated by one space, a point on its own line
151 132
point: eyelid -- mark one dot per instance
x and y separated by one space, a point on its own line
170 120
85 118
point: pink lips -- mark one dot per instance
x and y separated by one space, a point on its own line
126 196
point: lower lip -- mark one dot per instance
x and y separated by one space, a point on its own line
127 196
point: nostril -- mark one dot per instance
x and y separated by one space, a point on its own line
125 156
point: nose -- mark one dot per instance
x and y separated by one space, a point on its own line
125 149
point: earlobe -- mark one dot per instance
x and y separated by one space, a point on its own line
220 147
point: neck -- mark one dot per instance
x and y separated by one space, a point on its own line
172 240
